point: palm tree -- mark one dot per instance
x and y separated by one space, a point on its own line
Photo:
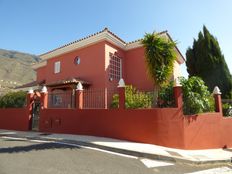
160 56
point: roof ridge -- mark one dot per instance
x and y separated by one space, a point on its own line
78 40
94 34
86 37
159 33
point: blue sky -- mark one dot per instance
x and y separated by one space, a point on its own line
37 26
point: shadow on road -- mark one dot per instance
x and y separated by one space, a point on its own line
229 150
36 147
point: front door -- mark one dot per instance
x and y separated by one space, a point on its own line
35 115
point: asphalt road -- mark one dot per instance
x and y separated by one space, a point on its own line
26 157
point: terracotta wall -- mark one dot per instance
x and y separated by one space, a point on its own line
203 131
15 119
94 66
110 48
226 132
41 74
207 131
135 70
165 127
91 67
156 126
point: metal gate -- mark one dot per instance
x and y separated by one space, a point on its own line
35 115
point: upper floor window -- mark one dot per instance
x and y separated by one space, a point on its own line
57 67
77 60
115 68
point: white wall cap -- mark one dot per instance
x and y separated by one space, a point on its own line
121 83
177 82
44 89
216 90
30 91
79 86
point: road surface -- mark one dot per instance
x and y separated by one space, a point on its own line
19 156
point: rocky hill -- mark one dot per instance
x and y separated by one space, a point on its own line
15 68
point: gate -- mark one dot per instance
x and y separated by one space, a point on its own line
35 114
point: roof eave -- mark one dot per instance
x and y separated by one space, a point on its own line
181 57
39 65
97 37
105 35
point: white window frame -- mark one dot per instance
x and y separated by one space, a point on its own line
114 65
57 67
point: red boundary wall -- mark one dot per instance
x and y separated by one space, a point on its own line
161 126
155 126
166 127
15 119
208 130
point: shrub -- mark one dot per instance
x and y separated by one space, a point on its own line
227 110
13 100
165 97
196 97
134 99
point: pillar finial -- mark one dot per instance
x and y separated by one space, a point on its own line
177 82
79 86
216 90
121 83
30 91
44 89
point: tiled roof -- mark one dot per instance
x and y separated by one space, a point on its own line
114 35
31 84
137 40
105 29
68 81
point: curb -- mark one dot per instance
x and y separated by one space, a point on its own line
146 155
123 151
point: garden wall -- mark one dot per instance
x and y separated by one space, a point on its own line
155 126
160 126
226 131
15 119
207 131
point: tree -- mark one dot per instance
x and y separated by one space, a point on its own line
205 60
160 56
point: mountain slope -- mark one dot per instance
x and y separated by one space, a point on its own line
15 68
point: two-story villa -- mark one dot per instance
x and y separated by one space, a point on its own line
98 61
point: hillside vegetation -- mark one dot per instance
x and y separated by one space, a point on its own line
15 69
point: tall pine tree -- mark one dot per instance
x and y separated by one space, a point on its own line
205 60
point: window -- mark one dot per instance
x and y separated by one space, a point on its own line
57 67
77 60
56 100
115 68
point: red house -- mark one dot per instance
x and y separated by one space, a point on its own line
98 61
